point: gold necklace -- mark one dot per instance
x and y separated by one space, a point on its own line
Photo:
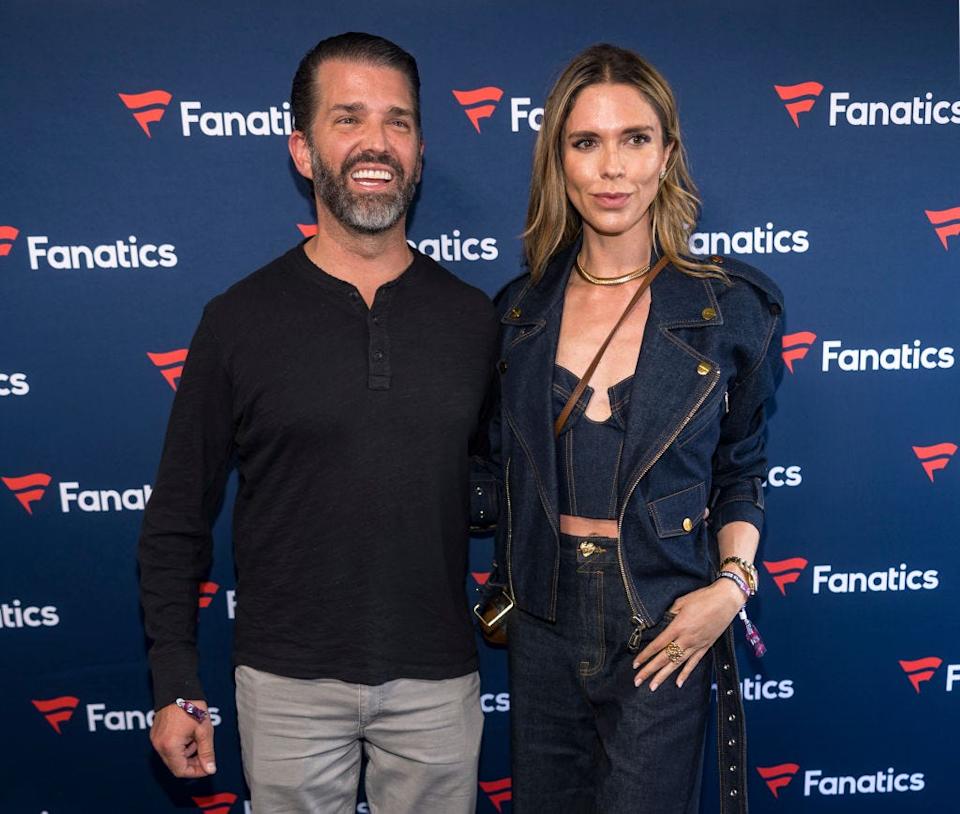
623 278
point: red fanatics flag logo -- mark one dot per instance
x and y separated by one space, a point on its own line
935 457
479 103
57 710
795 347
946 223
208 590
498 791
170 364
799 99
776 777
28 488
785 572
8 234
147 108
216 803
920 670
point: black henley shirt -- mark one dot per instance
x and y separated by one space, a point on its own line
350 430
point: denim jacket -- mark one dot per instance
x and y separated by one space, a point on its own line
709 361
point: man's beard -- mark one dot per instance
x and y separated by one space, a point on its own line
369 213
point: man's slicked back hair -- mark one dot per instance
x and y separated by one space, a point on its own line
356 47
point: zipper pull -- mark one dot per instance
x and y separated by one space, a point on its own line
633 643
726 402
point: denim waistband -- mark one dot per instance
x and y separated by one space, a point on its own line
578 549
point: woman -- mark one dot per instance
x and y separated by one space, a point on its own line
624 591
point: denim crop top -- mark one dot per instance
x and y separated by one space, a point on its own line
588 452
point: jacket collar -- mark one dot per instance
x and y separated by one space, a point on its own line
673 377
679 300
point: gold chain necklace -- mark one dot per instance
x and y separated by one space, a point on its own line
623 278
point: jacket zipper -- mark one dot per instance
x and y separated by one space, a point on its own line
640 618
509 533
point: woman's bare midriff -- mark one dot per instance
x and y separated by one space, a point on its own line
587 526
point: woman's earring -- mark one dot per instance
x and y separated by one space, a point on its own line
663 173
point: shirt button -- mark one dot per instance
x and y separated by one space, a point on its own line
708 313
703 368
515 313
377 355
376 320
687 524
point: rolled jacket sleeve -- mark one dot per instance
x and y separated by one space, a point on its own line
175 548
740 463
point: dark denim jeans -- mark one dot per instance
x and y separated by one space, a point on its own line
584 739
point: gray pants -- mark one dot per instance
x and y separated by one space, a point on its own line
301 742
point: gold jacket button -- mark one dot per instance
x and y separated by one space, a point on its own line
515 313
703 368
717 260
687 524
708 313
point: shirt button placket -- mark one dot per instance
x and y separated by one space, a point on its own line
379 362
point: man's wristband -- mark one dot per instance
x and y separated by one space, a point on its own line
192 710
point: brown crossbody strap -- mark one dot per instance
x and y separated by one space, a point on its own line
585 379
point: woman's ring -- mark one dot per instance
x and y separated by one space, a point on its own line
674 652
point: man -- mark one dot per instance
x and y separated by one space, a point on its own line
345 379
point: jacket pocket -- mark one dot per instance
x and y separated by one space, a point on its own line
679 513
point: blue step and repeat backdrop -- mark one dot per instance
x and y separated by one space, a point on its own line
144 170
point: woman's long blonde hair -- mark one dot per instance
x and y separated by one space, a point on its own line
552 221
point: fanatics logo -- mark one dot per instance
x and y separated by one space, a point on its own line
935 457
208 590
216 803
499 791
170 364
8 234
799 98
785 572
57 710
795 347
920 670
946 223
147 107
28 488
479 104
776 777
307 229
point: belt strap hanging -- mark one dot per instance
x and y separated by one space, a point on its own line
585 379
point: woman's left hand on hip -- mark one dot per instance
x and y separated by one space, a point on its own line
700 617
